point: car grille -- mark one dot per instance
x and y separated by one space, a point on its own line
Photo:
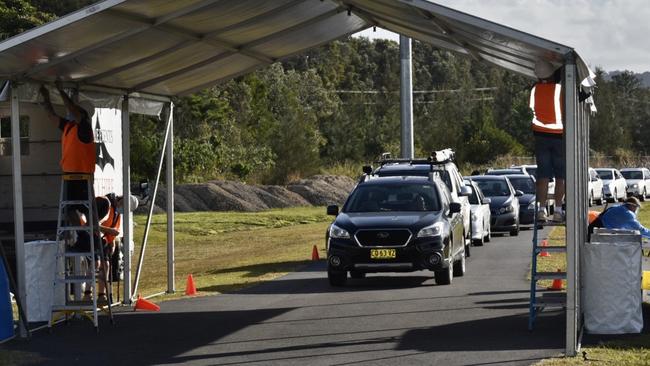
383 238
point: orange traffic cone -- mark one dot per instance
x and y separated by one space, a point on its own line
314 254
143 304
544 253
557 283
190 288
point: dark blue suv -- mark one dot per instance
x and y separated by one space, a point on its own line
396 224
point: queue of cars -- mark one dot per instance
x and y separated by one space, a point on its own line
421 214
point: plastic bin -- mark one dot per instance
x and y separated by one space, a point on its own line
611 278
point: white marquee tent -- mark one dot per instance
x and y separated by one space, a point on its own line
141 52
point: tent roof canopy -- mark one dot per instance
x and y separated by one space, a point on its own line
176 47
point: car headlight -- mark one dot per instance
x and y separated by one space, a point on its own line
505 209
430 231
338 233
635 186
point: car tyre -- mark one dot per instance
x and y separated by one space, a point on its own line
478 242
515 231
445 276
460 266
337 278
357 274
488 237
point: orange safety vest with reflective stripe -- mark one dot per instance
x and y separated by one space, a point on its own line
113 221
76 156
547 106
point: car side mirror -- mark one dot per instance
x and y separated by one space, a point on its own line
486 201
367 169
518 193
465 191
333 210
144 190
454 207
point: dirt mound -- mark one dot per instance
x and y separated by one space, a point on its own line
321 190
220 195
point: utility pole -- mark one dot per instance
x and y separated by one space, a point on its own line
406 97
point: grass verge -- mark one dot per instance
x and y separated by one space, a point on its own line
628 351
226 251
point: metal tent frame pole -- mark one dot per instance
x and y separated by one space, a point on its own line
406 97
169 179
19 229
147 227
126 190
576 210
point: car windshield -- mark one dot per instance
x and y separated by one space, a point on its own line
531 170
494 188
605 174
632 174
393 197
524 184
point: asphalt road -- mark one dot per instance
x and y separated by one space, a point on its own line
387 319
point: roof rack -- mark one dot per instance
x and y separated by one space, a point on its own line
437 157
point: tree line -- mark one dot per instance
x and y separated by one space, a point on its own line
339 103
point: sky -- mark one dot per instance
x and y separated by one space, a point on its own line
611 34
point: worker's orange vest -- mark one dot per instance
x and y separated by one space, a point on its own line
546 103
113 221
76 156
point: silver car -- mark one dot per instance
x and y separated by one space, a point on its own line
638 182
614 185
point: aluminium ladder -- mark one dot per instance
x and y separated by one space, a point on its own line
70 273
547 300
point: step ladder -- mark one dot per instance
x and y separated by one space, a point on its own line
545 300
74 267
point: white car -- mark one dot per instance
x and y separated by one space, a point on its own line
614 185
595 188
638 182
480 207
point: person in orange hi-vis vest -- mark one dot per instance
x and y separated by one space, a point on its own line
78 151
109 210
547 104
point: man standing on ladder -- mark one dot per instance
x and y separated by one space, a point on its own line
546 102
78 152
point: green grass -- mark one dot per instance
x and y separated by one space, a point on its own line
631 351
226 251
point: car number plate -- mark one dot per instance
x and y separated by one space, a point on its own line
382 253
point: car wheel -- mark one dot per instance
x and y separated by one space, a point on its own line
445 276
337 278
460 266
488 237
515 231
357 274
591 198
478 242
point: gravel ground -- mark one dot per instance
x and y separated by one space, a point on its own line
223 195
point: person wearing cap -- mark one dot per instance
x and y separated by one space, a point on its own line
78 151
624 216
546 102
